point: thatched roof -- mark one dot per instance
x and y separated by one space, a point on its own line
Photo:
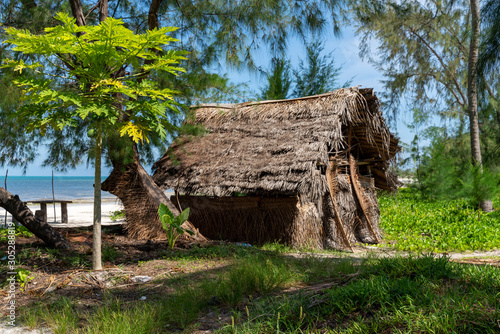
276 147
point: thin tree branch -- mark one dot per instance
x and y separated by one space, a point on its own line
92 9
436 54
117 4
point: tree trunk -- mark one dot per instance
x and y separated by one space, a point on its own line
103 10
141 198
472 85
77 11
96 229
486 205
23 214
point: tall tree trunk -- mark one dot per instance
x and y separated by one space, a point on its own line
96 229
472 84
103 10
77 11
20 211
472 93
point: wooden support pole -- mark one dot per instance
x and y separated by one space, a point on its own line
43 208
64 212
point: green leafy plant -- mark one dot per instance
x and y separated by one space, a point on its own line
479 184
21 231
117 215
416 223
172 224
81 72
109 252
23 277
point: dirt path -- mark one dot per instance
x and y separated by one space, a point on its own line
361 252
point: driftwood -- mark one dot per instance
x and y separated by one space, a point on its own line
20 211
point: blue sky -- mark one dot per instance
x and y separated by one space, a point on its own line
346 54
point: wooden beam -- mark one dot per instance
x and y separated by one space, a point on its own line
357 190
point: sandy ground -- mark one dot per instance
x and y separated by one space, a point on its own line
80 213
4 329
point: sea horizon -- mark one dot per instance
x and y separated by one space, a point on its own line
30 188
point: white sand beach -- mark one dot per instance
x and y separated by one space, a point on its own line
80 213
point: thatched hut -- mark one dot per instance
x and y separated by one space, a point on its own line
300 171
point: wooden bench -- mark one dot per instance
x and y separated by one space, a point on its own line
42 213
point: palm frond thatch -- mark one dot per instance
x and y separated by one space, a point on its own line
275 146
279 152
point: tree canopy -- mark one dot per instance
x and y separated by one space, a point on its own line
490 46
316 74
95 75
278 80
430 64
215 34
87 70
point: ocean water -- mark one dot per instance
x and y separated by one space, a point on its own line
40 187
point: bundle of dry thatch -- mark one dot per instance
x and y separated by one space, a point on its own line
282 149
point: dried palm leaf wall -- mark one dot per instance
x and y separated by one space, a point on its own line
353 221
257 219
287 219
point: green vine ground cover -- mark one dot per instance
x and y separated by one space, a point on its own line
413 223
263 289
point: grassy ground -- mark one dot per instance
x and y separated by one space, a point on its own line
412 223
270 292
226 288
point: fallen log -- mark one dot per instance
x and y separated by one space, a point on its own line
20 212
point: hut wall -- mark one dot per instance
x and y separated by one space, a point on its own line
256 219
290 220
307 227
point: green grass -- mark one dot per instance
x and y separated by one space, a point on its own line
265 290
412 223
393 295
109 253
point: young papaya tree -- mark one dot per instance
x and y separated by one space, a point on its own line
95 77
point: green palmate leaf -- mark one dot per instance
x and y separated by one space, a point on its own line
166 221
163 210
184 215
